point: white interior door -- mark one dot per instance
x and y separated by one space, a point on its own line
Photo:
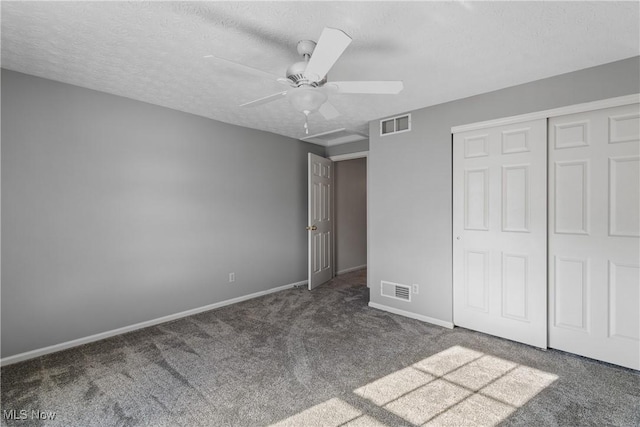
594 229
320 220
500 231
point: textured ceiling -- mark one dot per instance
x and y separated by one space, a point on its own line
153 51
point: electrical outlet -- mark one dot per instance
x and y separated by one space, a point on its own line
232 277
415 289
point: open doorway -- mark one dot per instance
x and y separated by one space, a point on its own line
350 212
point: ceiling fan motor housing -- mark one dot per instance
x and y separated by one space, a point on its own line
295 72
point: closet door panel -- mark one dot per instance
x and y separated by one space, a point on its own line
594 221
500 231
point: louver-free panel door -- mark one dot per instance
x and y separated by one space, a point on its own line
594 229
500 231
320 175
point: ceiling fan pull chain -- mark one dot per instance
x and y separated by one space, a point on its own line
306 123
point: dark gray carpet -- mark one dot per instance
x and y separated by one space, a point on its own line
316 358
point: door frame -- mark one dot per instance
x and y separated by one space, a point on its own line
339 158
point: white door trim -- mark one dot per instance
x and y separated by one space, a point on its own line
349 156
561 111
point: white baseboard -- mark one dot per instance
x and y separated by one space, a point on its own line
349 270
412 315
97 337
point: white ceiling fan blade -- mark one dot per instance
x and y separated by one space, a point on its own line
244 68
330 46
328 111
265 100
372 87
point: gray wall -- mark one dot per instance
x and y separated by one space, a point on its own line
351 213
116 212
410 179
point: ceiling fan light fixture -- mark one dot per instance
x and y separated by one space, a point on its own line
308 78
306 100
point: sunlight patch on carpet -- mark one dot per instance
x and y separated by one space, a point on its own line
468 388
457 386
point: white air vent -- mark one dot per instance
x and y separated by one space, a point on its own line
395 125
395 290
335 137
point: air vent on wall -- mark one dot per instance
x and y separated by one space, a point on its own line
395 125
395 290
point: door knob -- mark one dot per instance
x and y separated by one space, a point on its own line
312 228
458 238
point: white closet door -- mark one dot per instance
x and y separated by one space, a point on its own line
500 231
594 229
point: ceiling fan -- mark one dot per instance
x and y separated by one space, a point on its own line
307 79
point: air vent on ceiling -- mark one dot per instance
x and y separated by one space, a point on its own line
395 290
395 125
335 137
